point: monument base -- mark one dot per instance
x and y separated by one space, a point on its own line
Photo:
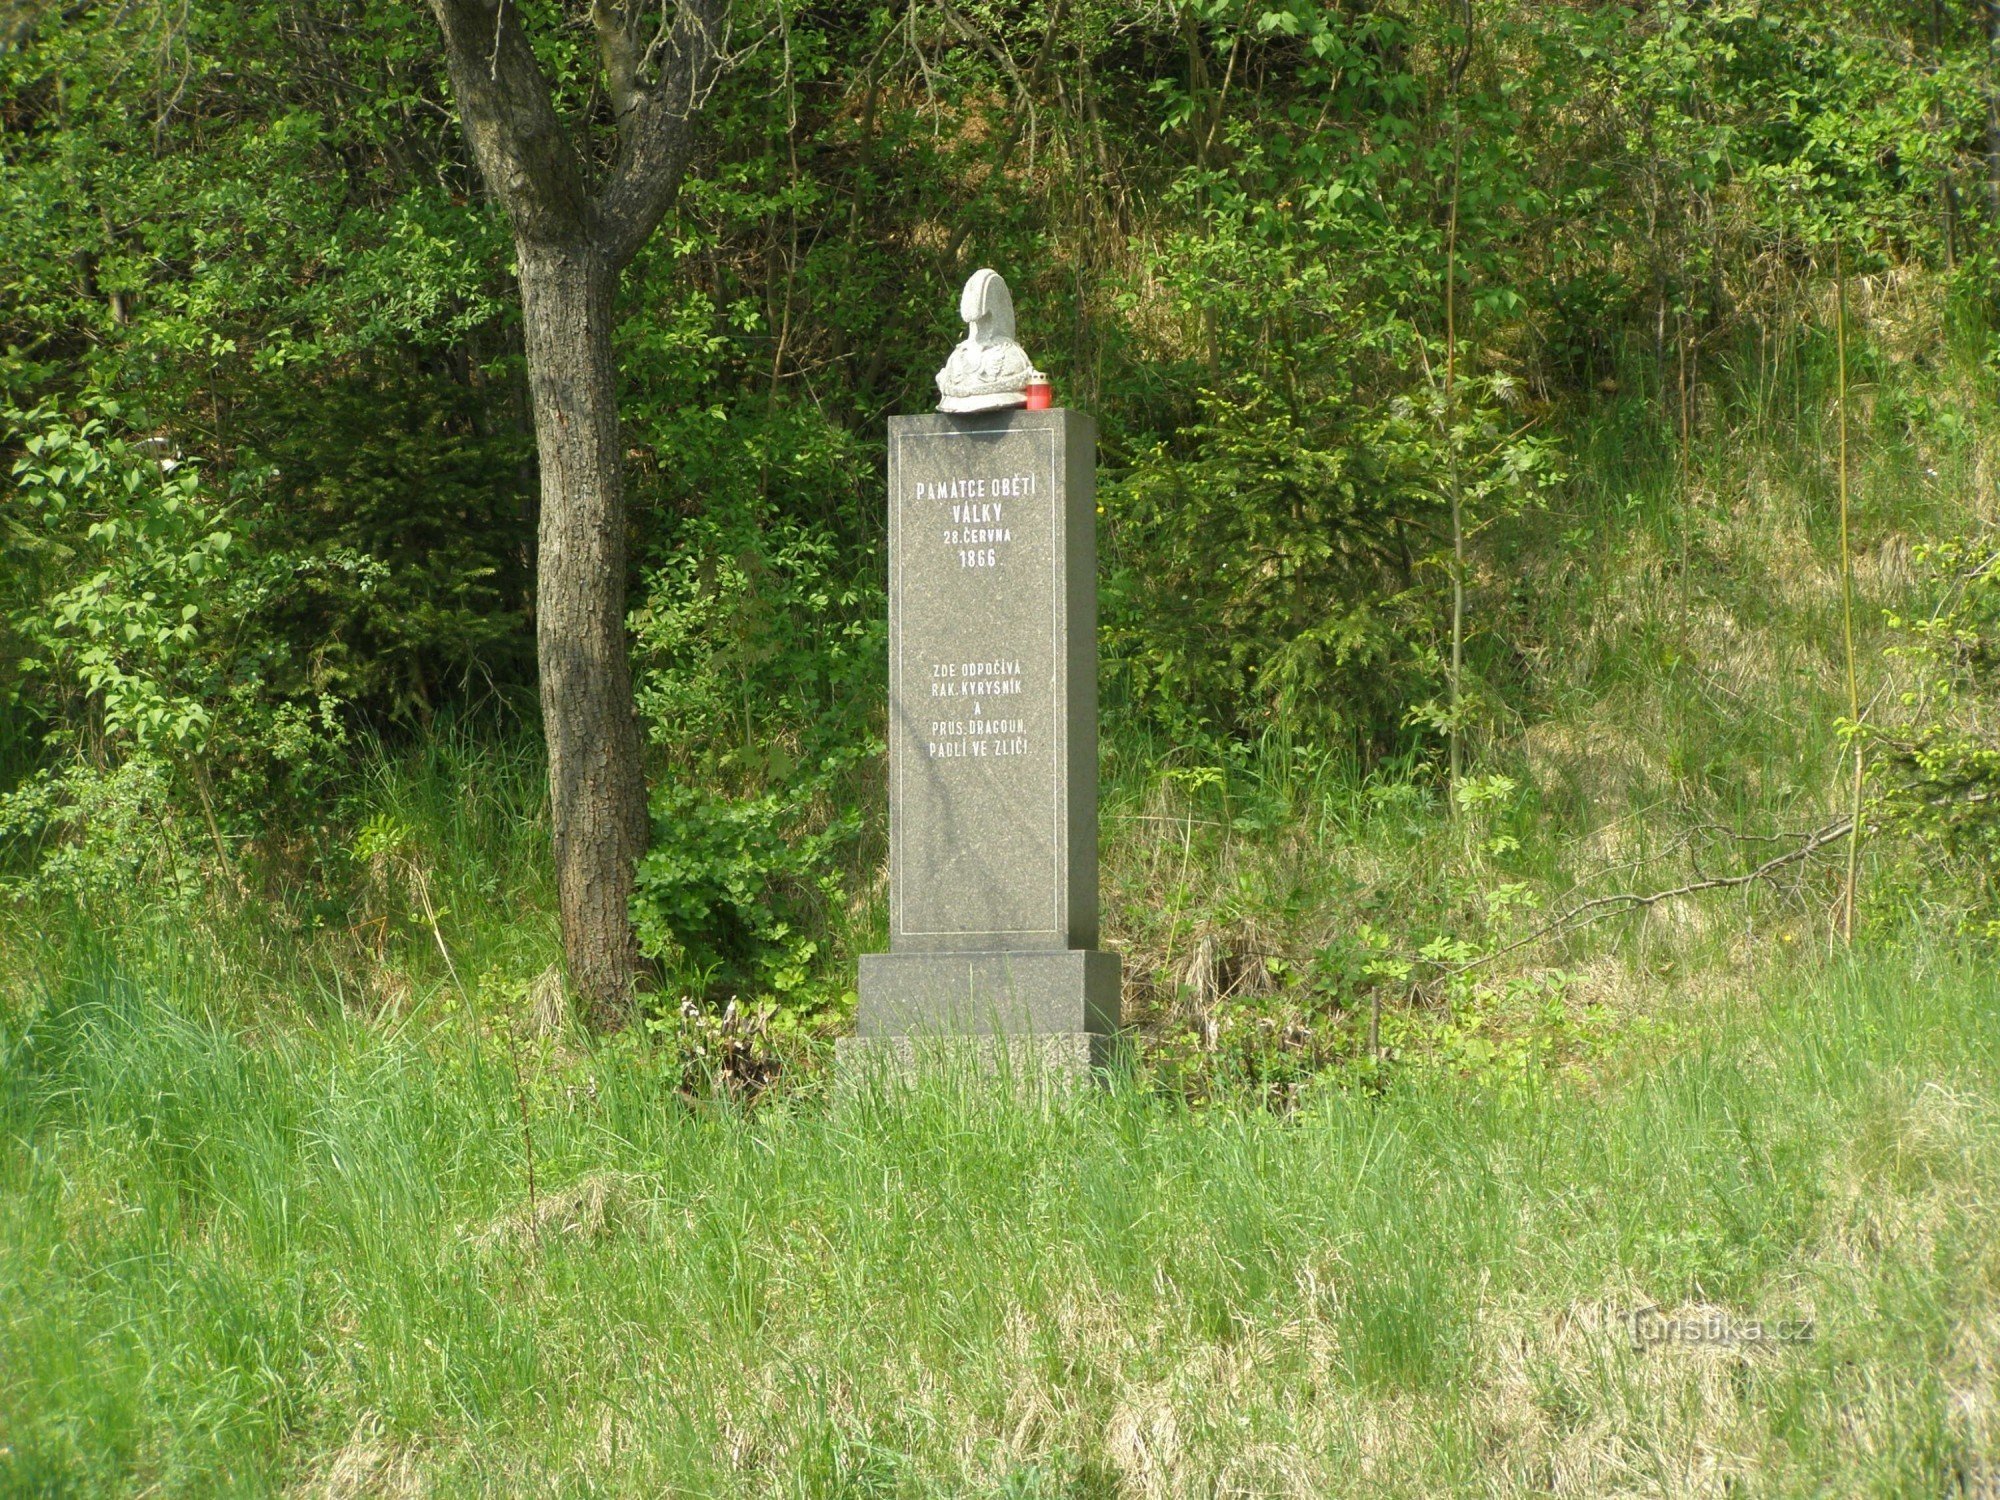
1061 1060
988 994
1058 1008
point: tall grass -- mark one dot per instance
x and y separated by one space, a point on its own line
265 1224
299 1261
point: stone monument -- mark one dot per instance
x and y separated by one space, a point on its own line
992 721
988 371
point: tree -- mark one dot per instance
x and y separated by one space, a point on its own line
576 226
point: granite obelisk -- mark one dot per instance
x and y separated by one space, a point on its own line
992 721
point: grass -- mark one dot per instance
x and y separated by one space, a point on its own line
265 1225
299 1261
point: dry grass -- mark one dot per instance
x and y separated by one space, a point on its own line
368 1466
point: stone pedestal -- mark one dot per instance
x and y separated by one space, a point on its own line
1056 1062
992 741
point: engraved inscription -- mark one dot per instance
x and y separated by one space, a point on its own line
975 516
977 816
982 689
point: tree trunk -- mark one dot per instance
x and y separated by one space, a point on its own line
572 241
597 788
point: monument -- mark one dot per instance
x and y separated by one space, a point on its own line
992 720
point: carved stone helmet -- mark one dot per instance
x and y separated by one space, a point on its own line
988 370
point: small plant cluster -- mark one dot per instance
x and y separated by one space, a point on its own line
1265 965
1350 1018
759 629
1937 758
732 892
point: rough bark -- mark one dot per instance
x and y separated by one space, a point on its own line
597 790
573 238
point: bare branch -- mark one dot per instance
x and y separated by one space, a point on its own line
509 115
1027 87
619 50
656 125
1586 912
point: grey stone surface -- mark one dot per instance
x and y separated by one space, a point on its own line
992 681
992 738
976 994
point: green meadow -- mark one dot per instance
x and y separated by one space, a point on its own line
303 1260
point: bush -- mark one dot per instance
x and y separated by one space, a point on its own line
760 629
730 889
1938 763
140 622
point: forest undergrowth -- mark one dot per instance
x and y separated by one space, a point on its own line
1672 621
1428 1174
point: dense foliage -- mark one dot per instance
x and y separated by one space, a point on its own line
1335 278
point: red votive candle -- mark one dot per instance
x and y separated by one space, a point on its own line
1041 395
